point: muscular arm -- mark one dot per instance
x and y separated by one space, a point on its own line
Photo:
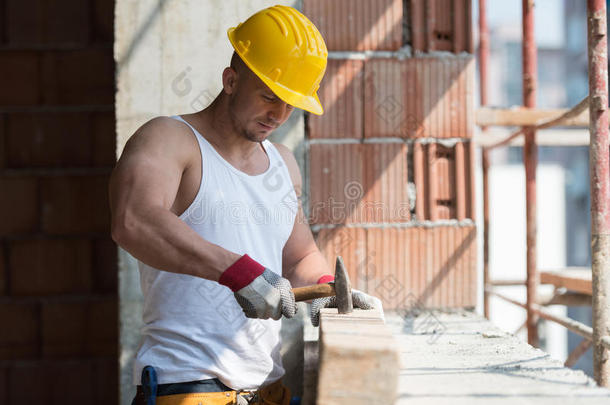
143 188
303 263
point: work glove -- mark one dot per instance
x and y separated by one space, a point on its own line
359 299
260 292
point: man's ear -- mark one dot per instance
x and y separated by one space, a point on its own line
229 80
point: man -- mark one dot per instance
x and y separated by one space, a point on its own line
210 209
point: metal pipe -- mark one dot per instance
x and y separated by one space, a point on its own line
483 51
600 186
530 158
577 327
577 353
483 63
486 278
574 326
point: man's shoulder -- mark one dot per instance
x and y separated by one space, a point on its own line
163 135
287 156
162 125
291 163
285 152
164 131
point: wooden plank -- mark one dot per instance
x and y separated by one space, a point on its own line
486 116
546 137
575 279
358 359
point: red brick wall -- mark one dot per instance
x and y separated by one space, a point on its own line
397 130
58 265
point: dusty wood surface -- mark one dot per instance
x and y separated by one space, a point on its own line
576 279
518 117
358 359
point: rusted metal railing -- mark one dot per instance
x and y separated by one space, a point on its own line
483 63
577 327
530 159
600 185
597 102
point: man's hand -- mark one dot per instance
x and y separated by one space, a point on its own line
359 299
259 291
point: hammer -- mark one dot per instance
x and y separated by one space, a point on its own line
341 288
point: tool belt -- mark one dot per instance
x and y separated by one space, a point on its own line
272 394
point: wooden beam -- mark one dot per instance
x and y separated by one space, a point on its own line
507 282
574 279
546 137
518 116
358 361
577 353
567 298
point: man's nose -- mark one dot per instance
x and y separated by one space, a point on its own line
278 112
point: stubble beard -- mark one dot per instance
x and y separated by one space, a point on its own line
243 130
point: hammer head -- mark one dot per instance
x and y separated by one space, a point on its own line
343 288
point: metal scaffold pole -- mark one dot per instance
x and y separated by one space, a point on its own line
530 159
483 63
600 185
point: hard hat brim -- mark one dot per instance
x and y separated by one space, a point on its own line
308 103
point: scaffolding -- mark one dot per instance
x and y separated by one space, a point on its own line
597 336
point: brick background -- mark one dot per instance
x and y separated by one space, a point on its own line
105 266
407 266
380 182
444 180
72 328
336 181
3 270
58 265
18 205
422 97
48 382
441 25
430 266
358 183
19 77
357 25
2 141
350 244
104 147
341 94
75 204
385 183
50 266
4 384
20 336
31 22
77 77
40 139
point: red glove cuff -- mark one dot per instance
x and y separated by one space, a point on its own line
327 278
241 273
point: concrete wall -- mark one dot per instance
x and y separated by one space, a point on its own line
170 55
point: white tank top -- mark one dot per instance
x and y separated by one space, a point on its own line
193 328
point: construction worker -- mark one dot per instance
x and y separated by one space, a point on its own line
210 209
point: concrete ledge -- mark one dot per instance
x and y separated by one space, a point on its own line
358 359
462 358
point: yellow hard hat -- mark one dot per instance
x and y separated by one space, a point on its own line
286 51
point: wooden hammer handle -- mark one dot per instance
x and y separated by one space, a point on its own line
314 291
